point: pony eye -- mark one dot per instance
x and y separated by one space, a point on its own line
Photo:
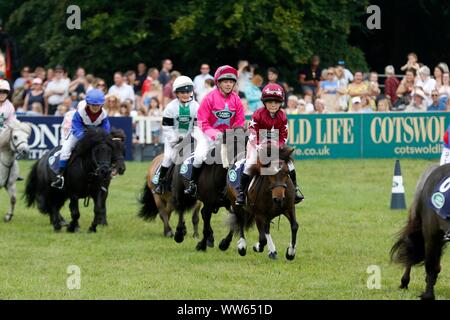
15 137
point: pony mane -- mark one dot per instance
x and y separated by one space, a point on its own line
285 154
91 138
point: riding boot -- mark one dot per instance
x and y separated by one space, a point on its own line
161 180
298 194
192 187
245 181
59 182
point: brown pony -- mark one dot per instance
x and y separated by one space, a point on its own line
153 203
270 195
422 239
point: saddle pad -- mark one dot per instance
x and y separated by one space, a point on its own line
234 174
440 198
53 159
186 167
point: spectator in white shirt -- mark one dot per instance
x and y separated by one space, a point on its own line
121 89
199 81
426 83
57 90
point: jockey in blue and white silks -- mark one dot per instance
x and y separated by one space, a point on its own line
179 119
89 115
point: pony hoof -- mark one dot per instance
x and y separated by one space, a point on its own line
427 296
201 246
273 255
289 256
179 237
168 234
403 287
72 229
242 252
57 230
224 245
92 230
7 218
210 243
258 248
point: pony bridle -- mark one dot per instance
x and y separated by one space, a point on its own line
15 147
116 158
99 165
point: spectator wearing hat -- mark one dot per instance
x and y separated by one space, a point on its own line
121 89
425 82
309 76
57 89
36 94
391 84
347 73
438 104
418 102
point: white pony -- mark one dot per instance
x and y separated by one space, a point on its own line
13 145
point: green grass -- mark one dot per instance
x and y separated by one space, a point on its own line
345 226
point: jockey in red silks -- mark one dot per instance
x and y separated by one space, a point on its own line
268 124
220 110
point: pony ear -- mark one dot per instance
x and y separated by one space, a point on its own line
290 151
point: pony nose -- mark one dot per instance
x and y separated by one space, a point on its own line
278 201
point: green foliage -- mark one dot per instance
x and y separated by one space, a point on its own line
116 35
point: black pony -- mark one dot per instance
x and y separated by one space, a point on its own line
211 191
422 239
88 175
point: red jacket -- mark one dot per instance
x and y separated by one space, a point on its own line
262 120
390 88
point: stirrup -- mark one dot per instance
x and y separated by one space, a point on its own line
447 236
244 200
159 187
191 189
299 197
59 183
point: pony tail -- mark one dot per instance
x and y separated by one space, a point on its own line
409 249
148 210
31 186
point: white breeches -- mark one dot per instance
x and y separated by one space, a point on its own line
445 157
68 146
201 150
169 152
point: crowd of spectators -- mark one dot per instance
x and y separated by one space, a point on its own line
146 91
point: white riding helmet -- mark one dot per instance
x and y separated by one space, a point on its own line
4 86
183 84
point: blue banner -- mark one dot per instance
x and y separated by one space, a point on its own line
46 134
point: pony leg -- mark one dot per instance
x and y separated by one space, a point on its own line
54 216
181 228
259 246
242 244
165 219
196 220
406 278
75 215
290 252
270 244
225 243
11 188
433 251
207 230
99 210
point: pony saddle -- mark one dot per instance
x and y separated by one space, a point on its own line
439 201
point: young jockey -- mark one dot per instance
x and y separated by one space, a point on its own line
221 109
179 119
270 123
7 111
89 114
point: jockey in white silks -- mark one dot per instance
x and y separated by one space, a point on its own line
179 120
88 116
7 111
221 109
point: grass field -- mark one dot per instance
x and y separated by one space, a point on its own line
345 226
